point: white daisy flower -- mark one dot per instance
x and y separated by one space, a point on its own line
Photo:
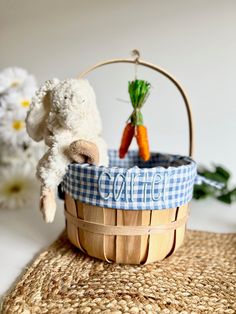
15 78
18 187
16 100
12 129
29 86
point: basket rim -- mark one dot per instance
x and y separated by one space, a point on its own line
189 163
152 188
133 188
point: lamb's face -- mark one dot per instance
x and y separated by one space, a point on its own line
72 100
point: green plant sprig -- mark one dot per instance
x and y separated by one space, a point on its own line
221 175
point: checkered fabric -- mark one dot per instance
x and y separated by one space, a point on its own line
200 180
165 181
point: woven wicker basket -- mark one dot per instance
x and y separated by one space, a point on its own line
123 235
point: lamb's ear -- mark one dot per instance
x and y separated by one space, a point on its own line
39 110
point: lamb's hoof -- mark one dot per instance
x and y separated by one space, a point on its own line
48 205
84 151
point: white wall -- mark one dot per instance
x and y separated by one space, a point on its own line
193 40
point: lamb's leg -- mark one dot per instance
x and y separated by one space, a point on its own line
47 204
50 171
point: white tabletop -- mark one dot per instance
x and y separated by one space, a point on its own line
23 234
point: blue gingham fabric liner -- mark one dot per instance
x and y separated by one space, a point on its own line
200 179
165 181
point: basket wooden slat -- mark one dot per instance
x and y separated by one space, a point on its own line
130 249
110 240
125 249
180 231
160 244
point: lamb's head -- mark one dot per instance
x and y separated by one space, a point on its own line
74 104
68 104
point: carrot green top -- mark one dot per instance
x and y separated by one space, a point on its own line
138 91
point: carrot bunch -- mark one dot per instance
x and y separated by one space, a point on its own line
138 91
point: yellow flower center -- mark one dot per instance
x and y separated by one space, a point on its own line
15 188
18 125
25 103
14 84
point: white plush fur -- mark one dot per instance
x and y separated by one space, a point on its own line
63 112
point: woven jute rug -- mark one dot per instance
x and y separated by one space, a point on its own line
199 278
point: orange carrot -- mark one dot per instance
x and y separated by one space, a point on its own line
142 140
126 140
138 91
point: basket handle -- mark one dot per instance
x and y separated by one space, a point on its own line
137 61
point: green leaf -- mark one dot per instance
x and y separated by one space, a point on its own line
202 191
225 198
223 172
219 175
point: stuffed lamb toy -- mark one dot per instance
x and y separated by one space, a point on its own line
64 114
